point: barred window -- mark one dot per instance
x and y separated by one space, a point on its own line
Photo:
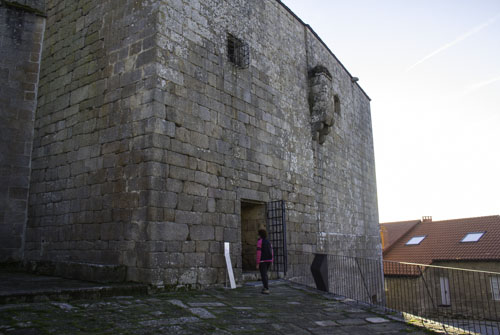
238 52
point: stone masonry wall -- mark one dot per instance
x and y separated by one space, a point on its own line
148 139
21 35
235 131
345 168
87 198
245 134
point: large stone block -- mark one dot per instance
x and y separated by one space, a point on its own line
85 271
188 276
185 202
171 276
207 276
191 218
202 232
167 231
194 259
231 235
206 179
195 189
167 260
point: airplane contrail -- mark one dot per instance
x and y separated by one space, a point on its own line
460 38
482 84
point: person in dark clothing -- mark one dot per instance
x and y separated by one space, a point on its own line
264 258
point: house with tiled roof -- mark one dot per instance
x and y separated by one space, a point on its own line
445 261
463 242
391 232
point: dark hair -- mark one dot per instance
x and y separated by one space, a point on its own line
263 233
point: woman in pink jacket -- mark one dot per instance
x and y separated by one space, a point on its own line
264 258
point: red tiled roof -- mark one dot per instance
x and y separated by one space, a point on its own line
442 241
393 231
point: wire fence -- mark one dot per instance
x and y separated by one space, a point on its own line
456 298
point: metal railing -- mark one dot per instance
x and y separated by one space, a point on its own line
455 298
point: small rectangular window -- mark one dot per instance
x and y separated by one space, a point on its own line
415 240
445 291
495 288
238 52
472 237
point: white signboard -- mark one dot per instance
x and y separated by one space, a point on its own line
228 264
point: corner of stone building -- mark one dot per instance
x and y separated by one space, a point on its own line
149 186
22 35
342 140
99 90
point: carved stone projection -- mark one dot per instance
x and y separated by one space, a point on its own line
321 102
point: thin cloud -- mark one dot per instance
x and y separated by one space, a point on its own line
460 38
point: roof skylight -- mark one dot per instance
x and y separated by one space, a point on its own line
415 240
472 237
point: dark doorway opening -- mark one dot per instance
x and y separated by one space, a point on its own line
253 218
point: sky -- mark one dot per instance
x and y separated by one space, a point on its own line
432 70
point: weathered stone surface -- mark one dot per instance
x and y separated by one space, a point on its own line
212 311
168 231
202 313
103 273
377 320
202 232
21 31
327 323
149 137
351 322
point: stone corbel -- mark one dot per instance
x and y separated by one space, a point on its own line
321 102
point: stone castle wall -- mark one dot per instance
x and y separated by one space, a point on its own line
148 138
89 179
21 34
345 167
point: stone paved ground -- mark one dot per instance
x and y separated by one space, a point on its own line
290 309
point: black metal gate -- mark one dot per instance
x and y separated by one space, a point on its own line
276 227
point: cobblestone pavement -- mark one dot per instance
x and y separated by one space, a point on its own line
289 309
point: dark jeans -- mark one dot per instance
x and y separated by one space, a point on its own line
263 267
